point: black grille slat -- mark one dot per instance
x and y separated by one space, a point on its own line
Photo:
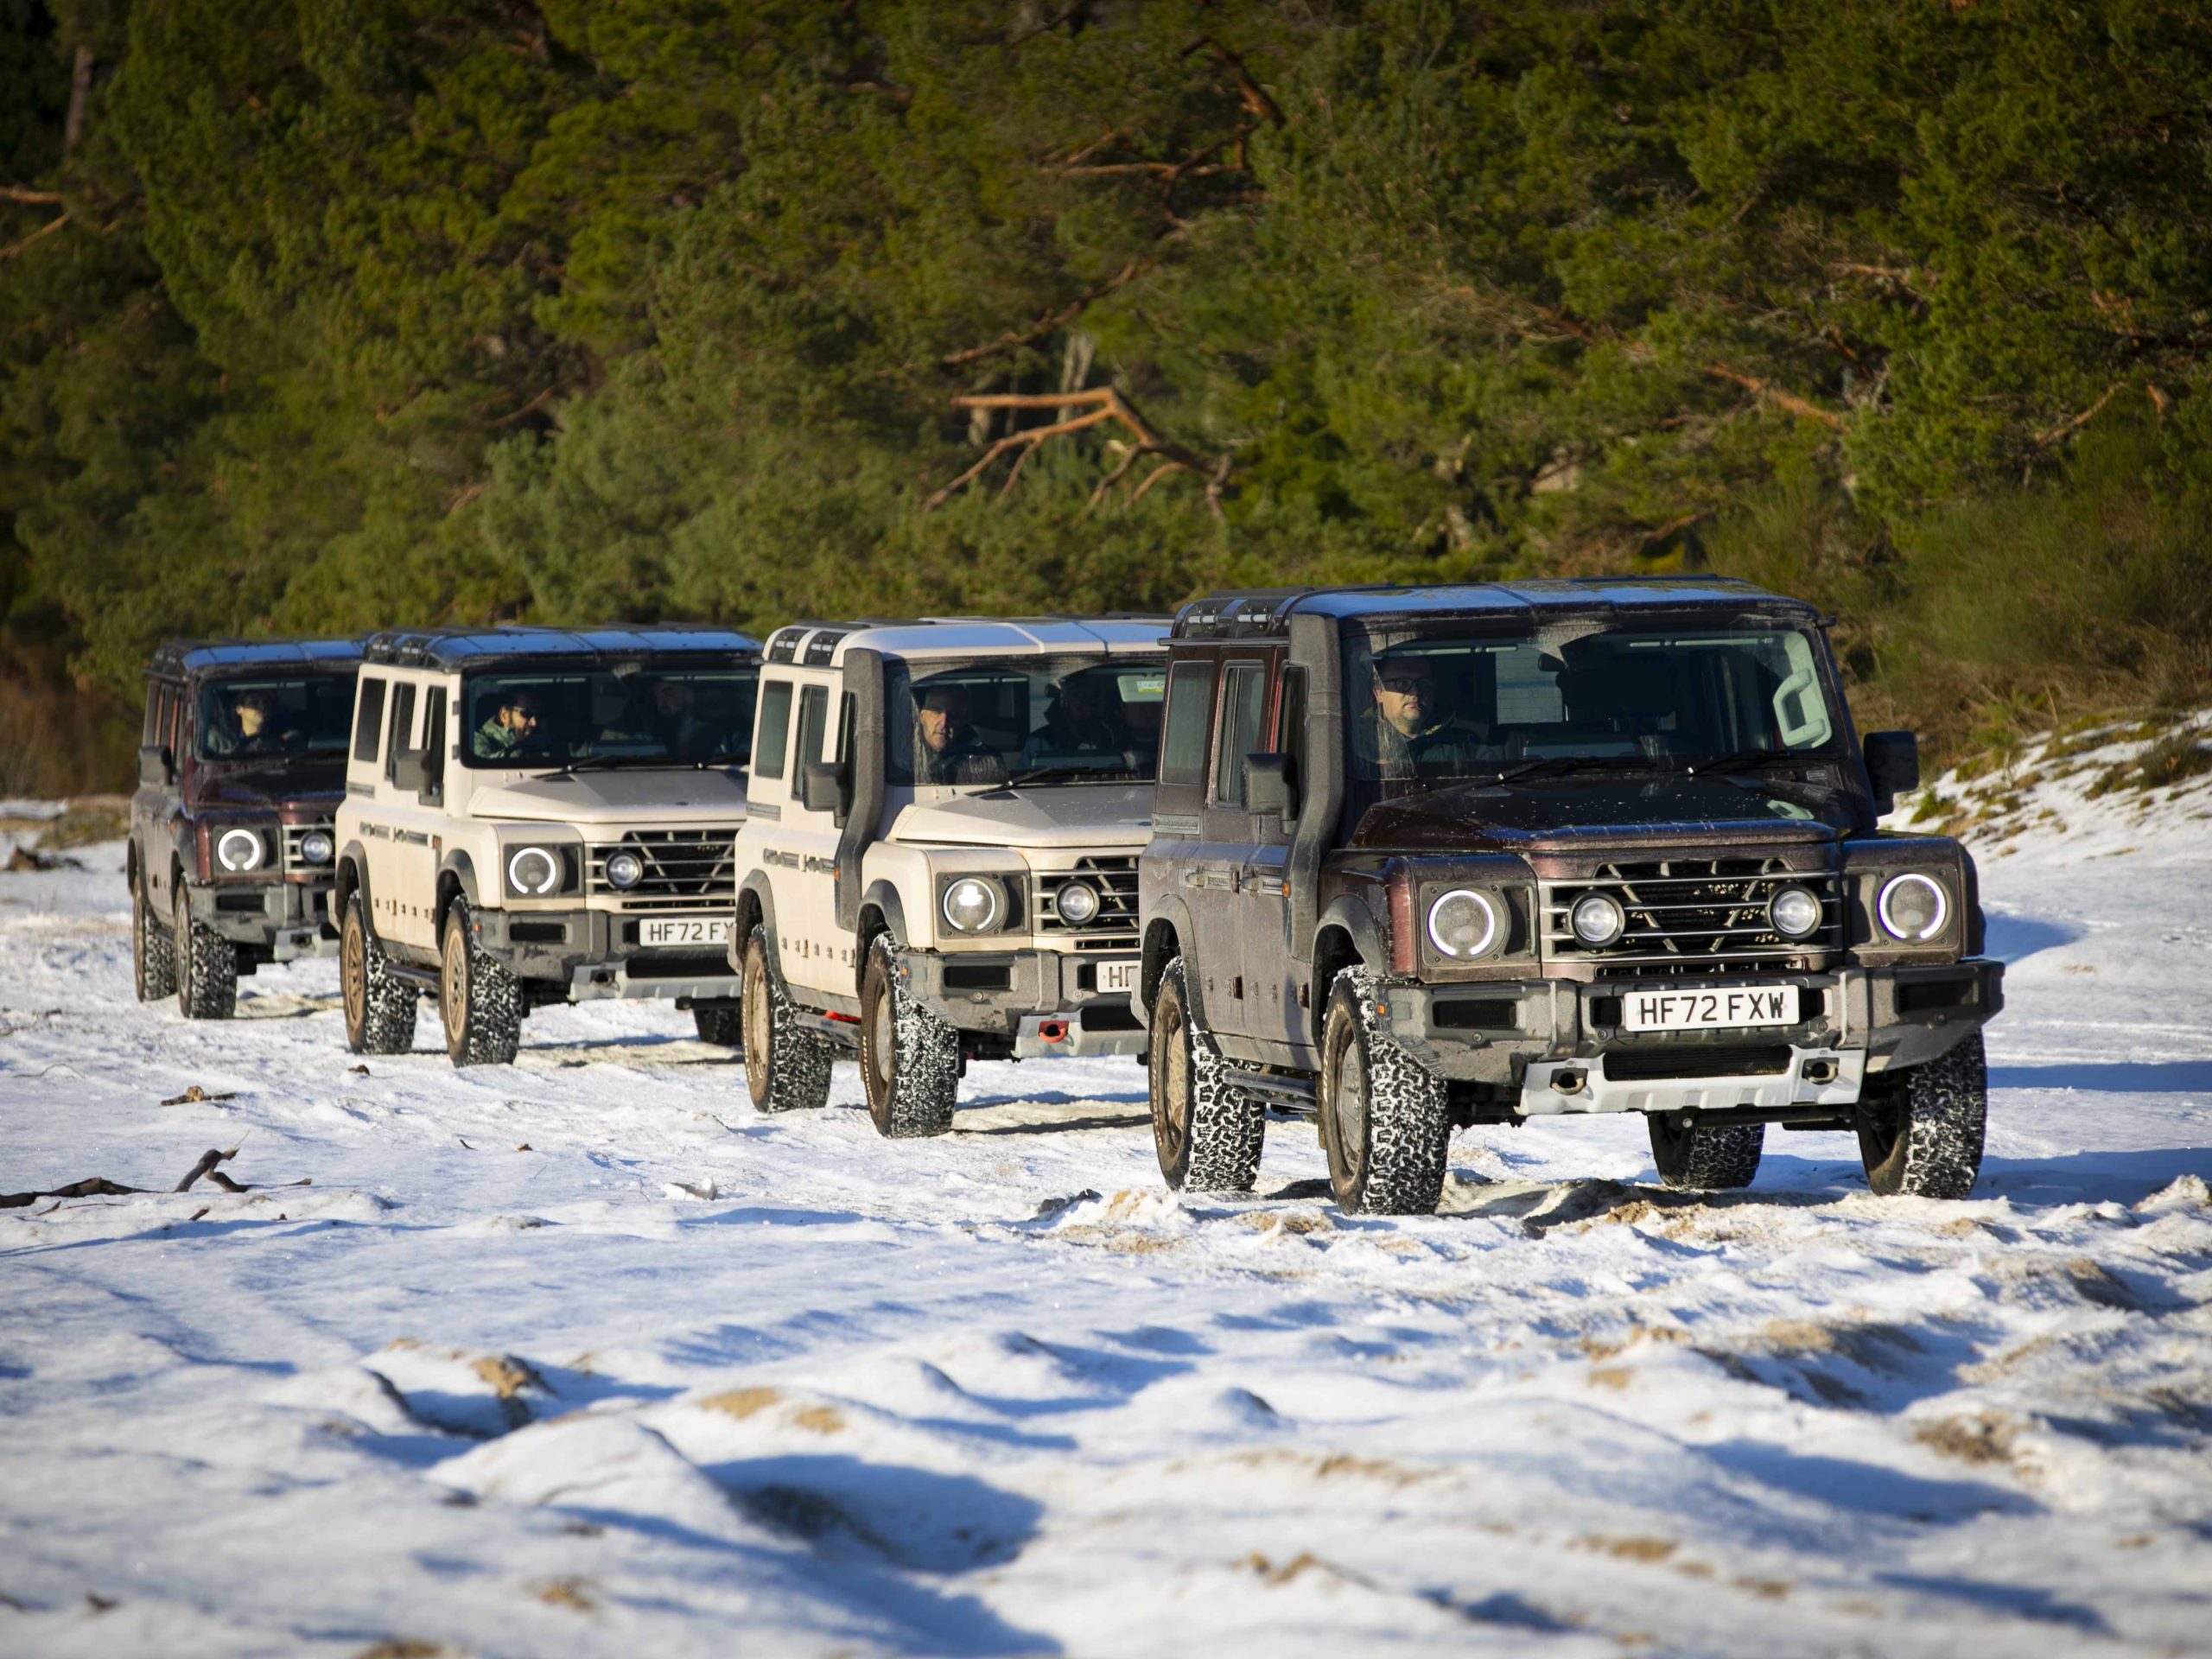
685 869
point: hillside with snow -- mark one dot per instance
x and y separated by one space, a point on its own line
584 1356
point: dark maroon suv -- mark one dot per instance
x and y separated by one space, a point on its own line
241 765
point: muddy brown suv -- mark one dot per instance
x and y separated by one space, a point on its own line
1424 858
241 765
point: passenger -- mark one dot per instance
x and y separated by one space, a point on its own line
249 733
946 748
512 727
1414 730
1085 718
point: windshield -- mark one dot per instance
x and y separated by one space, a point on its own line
275 717
641 714
1426 706
1077 720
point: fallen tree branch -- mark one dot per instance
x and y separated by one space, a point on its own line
98 1187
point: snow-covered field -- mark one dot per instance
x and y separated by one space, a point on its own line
585 1356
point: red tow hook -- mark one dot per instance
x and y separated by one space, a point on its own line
1053 1031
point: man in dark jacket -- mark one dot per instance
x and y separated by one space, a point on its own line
1416 732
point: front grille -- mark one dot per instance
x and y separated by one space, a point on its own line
1693 916
296 833
684 869
1115 927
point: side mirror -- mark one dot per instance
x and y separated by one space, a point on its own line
1892 766
156 764
824 788
1267 783
410 770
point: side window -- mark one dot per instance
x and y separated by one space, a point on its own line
813 718
368 720
771 736
433 737
1243 702
844 728
1190 705
1290 733
149 729
403 726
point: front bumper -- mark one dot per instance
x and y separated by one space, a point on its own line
289 919
594 954
1559 1046
1038 998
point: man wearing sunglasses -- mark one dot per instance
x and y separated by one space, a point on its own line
1416 731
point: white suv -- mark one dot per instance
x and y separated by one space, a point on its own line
939 863
535 815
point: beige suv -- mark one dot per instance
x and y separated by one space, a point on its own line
534 815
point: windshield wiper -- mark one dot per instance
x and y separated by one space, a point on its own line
604 763
1063 773
1741 760
1568 763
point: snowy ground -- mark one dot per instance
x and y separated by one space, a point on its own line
585 1356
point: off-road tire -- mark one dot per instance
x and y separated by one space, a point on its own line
1207 1131
479 1001
206 965
379 1009
910 1058
1706 1157
723 1026
786 1066
1386 1123
153 957
1921 1130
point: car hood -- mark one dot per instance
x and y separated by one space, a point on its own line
653 795
270 788
1626 813
1066 815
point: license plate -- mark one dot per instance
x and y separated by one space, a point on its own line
685 930
1118 975
1721 1008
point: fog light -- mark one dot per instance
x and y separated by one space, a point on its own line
316 846
1795 912
624 870
1598 918
1078 903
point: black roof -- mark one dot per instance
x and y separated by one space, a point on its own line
178 657
1268 611
472 647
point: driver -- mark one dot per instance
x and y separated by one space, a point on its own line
511 727
1415 730
249 732
946 748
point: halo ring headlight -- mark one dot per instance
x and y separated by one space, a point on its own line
1464 923
316 846
974 904
1078 903
625 870
1598 918
1912 908
1795 912
239 850
533 872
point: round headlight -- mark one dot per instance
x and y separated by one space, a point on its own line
1912 908
624 870
1598 918
316 846
973 904
1464 923
1795 912
1078 904
238 850
533 872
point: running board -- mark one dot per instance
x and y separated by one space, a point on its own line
424 980
1283 1094
844 1031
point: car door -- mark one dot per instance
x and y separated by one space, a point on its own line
1274 1018
1227 843
805 857
149 801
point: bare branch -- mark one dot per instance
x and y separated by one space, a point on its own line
45 230
30 198
1102 403
2067 428
1051 322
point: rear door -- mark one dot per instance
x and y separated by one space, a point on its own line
1273 1015
802 856
1228 845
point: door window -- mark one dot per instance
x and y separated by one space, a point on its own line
773 740
433 741
1190 704
402 724
369 721
813 718
1290 733
1244 701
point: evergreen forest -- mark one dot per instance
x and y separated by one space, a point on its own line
328 314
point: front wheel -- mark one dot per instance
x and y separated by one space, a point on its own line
909 1059
153 956
786 1066
1707 1158
478 1000
1921 1130
380 1008
1207 1131
1385 1117
206 965
722 1024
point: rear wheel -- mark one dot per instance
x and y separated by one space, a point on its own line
206 965
786 1066
478 1000
379 1009
153 958
1384 1118
1208 1133
1921 1130
1706 1157
722 1024
909 1059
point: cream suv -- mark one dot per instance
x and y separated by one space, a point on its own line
939 862
534 815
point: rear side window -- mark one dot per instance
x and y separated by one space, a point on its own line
368 720
1242 707
1190 703
433 736
771 737
813 721
402 722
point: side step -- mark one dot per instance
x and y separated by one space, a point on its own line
842 1029
1280 1093
424 980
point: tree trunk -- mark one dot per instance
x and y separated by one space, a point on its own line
80 92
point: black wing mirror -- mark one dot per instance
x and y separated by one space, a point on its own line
825 787
410 770
1892 766
156 765
1267 785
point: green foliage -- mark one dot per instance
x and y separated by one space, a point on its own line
371 311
